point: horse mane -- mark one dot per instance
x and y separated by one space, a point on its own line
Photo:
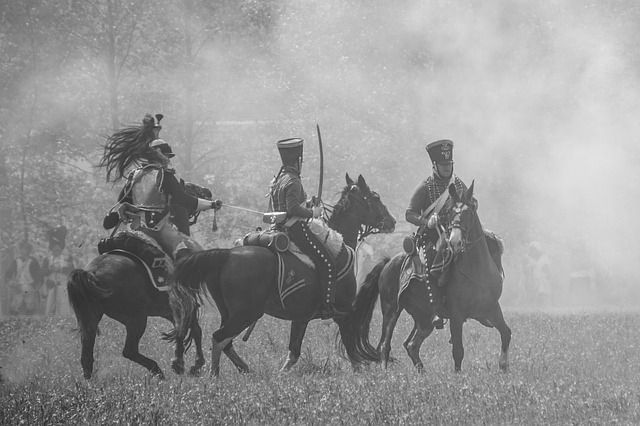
495 237
343 202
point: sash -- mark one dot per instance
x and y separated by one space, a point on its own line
438 204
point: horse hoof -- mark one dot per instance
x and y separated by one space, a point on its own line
86 375
195 371
178 368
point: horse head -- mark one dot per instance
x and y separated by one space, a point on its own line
372 211
462 214
359 207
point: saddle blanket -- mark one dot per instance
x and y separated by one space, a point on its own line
141 248
295 273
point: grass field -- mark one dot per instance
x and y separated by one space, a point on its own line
571 368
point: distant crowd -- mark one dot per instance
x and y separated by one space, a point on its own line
38 287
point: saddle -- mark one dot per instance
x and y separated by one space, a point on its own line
296 270
142 249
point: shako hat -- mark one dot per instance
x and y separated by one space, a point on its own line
290 151
57 236
441 151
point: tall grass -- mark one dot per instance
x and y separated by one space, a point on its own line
580 368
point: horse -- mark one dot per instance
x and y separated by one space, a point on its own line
115 285
472 290
243 284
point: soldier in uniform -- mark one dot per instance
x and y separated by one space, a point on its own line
287 195
55 268
425 207
24 278
151 187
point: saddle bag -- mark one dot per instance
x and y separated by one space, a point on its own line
409 244
275 240
152 256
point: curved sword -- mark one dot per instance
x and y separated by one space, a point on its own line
319 196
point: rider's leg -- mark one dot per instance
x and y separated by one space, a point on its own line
325 264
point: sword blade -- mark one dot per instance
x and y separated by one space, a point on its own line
321 164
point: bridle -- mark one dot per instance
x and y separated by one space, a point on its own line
358 196
458 209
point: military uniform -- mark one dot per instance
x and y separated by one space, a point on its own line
151 189
428 200
286 194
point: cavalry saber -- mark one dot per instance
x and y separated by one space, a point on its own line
319 196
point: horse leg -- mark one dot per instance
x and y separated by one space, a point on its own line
296 335
221 341
135 329
455 327
217 346
88 341
422 328
177 364
231 353
389 319
196 332
497 320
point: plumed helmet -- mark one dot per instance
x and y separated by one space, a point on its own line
57 235
153 122
290 151
441 151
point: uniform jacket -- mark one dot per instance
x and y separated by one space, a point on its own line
287 194
425 194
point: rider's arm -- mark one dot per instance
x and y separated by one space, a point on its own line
416 204
295 205
171 186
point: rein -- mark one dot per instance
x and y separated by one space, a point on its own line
364 230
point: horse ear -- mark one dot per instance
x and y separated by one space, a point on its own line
362 184
469 194
350 181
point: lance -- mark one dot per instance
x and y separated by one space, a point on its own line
319 196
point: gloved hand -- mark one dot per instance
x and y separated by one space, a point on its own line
433 221
317 211
216 204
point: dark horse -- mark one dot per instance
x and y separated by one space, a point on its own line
243 284
119 287
474 286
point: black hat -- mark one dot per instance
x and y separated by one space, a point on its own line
441 151
290 151
58 236
163 146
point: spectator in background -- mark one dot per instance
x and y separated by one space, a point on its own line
538 267
55 268
24 279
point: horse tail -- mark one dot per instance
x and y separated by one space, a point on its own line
84 293
188 281
355 326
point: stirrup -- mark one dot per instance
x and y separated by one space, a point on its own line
438 322
330 311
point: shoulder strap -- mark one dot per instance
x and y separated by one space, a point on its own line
438 204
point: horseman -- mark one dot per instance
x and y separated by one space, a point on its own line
287 195
425 211
151 188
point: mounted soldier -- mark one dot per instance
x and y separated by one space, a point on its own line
287 195
152 189
425 211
